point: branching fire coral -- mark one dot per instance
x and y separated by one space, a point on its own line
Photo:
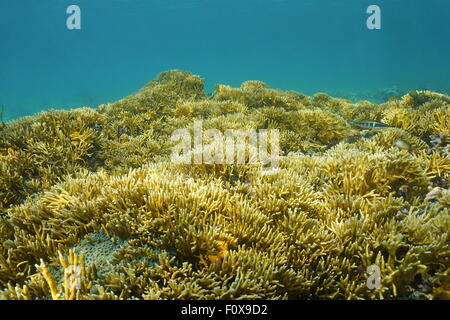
93 208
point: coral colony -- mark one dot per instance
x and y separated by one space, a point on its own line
93 207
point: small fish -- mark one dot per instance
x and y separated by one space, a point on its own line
403 145
369 124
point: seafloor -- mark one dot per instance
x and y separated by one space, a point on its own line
92 193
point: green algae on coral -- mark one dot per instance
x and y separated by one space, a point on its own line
96 188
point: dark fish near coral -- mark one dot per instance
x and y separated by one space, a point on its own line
369 124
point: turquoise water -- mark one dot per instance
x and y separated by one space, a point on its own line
304 45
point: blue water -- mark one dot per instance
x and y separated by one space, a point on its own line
304 45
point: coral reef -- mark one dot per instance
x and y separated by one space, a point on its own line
91 207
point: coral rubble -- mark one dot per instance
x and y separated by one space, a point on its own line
94 191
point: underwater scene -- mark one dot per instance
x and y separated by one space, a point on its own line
224 150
